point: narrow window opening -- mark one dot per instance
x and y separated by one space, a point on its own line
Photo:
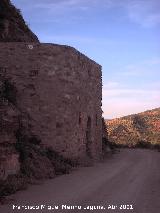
88 139
96 120
80 118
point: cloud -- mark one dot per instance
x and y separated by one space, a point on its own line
66 4
110 85
75 39
68 38
134 71
54 9
153 61
58 6
144 12
116 108
144 68
120 100
130 93
60 11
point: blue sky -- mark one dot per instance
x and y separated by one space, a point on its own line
121 35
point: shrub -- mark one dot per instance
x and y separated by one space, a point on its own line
143 144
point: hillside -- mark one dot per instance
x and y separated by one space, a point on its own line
137 128
12 25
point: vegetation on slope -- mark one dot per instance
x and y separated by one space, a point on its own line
141 129
12 25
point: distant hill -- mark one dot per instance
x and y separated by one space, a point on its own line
12 25
137 128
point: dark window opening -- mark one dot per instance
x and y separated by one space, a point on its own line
59 125
80 118
88 139
9 92
89 73
96 120
33 73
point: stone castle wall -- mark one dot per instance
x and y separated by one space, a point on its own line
58 94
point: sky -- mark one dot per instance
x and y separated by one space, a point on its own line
121 35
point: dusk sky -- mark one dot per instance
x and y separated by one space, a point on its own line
121 35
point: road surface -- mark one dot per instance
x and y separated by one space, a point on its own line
129 179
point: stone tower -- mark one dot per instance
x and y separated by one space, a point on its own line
49 95
59 89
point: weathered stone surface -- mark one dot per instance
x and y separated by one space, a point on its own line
9 124
9 165
50 105
12 25
59 89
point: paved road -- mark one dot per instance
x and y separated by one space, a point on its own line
131 177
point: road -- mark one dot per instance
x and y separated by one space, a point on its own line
131 177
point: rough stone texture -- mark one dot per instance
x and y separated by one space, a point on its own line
50 106
9 124
12 25
9 162
58 94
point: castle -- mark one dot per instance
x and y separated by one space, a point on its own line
50 94
59 89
